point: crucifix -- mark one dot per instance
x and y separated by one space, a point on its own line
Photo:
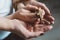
41 13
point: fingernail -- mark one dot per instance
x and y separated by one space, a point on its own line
50 27
52 22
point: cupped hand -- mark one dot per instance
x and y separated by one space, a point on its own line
27 30
33 4
21 30
26 14
48 18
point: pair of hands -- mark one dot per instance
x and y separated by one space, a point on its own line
23 17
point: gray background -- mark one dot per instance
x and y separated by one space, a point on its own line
54 34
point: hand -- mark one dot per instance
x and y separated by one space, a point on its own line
42 27
39 4
20 29
48 17
25 14
39 27
33 30
32 2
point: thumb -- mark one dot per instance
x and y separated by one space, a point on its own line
38 21
31 8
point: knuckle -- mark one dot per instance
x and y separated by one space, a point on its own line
43 4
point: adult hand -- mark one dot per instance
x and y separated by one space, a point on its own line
48 17
32 2
42 27
27 30
20 29
38 4
25 14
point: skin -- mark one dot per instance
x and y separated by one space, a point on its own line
15 24
17 27
27 16
33 4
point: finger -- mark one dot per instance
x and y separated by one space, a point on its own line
25 33
24 11
43 6
31 8
50 19
46 22
31 29
38 21
50 27
32 15
36 34
47 28
47 11
44 28
20 5
38 27
27 12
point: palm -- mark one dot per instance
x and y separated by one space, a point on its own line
39 27
36 27
24 30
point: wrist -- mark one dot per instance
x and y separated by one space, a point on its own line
6 24
10 16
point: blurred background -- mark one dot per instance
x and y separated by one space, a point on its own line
54 34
